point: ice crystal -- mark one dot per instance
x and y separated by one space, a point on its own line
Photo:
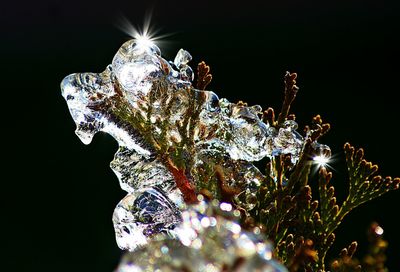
171 136
209 239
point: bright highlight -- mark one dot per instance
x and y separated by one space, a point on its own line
321 160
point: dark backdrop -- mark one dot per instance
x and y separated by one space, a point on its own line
58 195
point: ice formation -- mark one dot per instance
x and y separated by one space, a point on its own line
142 214
171 137
209 239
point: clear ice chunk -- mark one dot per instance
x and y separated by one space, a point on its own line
136 67
135 172
81 91
240 132
182 58
241 175
286 141
248 138
142 215
85 95
181 61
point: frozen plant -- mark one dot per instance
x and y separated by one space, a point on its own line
178 141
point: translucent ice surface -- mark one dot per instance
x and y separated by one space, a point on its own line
209 239
172 137
144 214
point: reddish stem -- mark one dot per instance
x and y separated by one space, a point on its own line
183 183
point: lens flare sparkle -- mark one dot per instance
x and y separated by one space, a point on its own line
321 160
145 35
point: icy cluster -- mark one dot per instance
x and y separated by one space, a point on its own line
209 239
286 140
172 137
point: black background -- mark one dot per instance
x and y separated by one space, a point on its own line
58 195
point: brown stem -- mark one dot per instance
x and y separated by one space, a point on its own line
182 182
